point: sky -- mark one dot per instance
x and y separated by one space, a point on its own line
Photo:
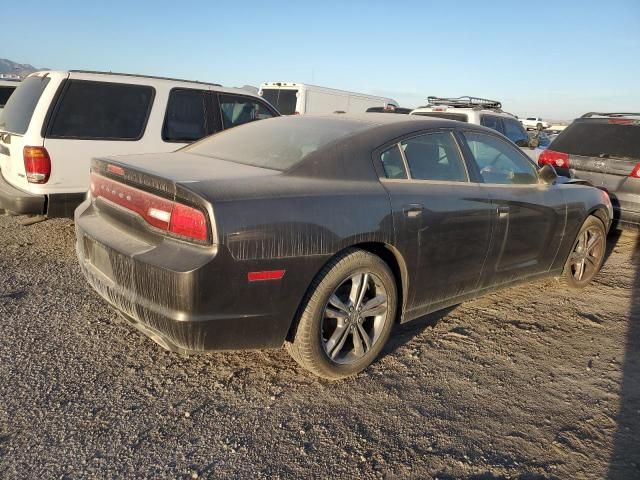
555 59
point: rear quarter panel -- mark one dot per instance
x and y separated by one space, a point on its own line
582 201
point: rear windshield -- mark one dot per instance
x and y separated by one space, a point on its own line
5 93
277 144
102 111
284 100
18 111
461 117
593 139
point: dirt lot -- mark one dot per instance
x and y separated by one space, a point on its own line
532 382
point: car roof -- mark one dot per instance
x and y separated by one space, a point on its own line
490 111
142 80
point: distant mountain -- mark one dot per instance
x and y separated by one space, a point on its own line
22 69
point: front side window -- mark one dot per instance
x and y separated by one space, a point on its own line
187 117
434 156
498 161
237 110
393 164
514 132
102 111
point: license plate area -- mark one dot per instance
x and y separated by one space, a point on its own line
97 256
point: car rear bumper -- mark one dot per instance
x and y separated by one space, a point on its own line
186 298
14 200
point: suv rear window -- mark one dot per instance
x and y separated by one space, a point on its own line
284 100
5 93
18 111
596 138
277 144
101 111
461 117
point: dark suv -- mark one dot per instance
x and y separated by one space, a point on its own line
603 148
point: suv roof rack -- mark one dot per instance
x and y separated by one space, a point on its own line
610 114
466 102
146 76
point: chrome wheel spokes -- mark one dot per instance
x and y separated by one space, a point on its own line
354 317
587 254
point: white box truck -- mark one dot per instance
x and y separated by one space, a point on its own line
300 98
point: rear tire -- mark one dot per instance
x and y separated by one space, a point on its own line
587 254
347 316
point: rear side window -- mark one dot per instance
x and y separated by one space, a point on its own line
18 111
492 122
393 164
237 110
101 111
593 139
188 116
434 156
5 93
514 132
284 100
461 117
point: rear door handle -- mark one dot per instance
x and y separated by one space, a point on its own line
413 210
503 210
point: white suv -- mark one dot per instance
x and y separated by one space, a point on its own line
481 111
56 121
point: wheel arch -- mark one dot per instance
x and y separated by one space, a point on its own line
602 214
390 255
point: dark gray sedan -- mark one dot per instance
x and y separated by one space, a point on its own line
320 233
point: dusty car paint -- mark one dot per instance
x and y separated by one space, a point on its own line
470 238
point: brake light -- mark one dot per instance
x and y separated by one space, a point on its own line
188 222
161 213
37 164
635 173
115 169
553 158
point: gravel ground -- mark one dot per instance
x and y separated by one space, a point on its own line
532 382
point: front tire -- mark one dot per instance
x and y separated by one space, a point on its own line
587 254
346 317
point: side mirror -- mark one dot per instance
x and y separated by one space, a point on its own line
534 142
548 174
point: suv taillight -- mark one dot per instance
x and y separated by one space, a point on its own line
553 158
37 164
172 217
635 173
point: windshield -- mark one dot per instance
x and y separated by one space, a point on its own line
594 139
278 143
461 117
284 100
21 104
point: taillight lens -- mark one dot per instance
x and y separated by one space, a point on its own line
553 158
181 220
635 173
37 164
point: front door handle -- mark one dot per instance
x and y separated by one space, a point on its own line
503 210
413 210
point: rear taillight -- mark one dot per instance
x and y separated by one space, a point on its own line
37 164
176 218
553 158
635 173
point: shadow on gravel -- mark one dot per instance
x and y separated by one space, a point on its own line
625 458
404 333
491 476
612 241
